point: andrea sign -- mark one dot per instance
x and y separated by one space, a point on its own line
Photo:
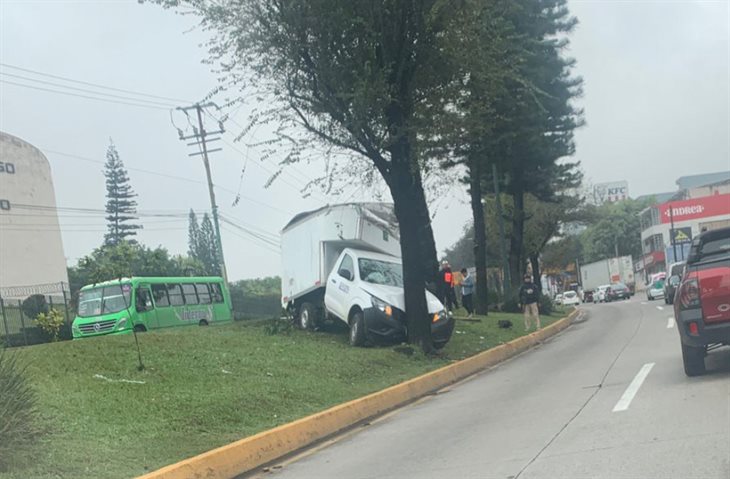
704 207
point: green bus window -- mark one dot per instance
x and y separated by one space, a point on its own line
144 301
203 293
175 294
189 292
215 290
159 293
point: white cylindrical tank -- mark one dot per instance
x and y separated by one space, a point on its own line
31 248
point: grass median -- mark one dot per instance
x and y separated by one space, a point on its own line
205 387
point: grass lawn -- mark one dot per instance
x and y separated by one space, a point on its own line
204 387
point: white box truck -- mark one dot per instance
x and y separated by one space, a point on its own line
606 272
342 262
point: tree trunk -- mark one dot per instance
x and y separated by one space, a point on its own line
418 253
418 248
516 263
481 302
536 274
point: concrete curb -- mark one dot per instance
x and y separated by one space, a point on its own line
249 453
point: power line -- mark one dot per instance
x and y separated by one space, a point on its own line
262 245
85 90
97 85
83 96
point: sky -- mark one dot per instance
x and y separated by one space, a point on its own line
656 99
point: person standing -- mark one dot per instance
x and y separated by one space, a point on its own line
448 297
529 298
467 289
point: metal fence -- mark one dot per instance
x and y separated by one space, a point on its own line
19 307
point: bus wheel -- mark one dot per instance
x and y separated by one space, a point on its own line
139 328
203 322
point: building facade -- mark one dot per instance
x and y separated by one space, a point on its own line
668 228
31 249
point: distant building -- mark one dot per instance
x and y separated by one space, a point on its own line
667 228
31 250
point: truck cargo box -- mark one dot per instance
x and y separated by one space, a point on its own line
312 241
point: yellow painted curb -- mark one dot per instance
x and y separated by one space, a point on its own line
249 453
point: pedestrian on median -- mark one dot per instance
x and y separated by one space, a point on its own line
467 289
448 296
529 298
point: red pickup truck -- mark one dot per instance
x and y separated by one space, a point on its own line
702 300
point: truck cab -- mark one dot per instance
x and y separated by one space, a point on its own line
365 291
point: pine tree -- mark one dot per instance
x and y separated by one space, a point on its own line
193 236
121 208
208 246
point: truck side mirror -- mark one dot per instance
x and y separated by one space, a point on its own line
346 273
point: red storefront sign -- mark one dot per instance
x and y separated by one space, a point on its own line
655 257
704 207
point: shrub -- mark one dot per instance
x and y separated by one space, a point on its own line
280 325
51 323
34 305
18 413
546 305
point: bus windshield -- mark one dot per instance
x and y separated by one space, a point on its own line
104 300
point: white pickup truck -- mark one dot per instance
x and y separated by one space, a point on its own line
342 262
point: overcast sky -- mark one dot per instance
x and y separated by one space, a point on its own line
657 102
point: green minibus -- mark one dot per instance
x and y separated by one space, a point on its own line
119 306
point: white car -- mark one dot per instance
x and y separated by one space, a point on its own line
570 298
558 298
655 290
601 293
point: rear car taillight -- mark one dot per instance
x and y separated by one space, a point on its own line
689 294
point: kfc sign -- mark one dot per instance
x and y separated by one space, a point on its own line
704 207
610 192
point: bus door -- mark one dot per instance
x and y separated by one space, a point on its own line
145 308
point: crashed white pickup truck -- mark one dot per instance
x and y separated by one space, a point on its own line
343 262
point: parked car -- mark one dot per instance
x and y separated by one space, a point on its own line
702 306
601 293
618 291
558 298
570 298
655 290
670 285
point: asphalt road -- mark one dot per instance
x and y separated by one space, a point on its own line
575 407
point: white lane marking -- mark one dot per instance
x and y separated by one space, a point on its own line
644 302
670 322
660 308
628 396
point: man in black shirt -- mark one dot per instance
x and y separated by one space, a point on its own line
529 299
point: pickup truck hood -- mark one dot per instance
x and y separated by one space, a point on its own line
395 297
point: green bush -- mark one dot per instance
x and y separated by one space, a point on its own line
280 325
19 417
34 305
546 305
51 323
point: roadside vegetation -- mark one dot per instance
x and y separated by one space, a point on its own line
205 387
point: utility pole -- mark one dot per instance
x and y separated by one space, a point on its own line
202 140
671 234
502 245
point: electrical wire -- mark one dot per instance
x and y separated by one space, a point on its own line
83 96
85 90
97 85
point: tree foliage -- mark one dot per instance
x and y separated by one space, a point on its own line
121 208
202 244
617 228
128 259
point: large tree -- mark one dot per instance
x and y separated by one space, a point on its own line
202 244
368 77
121 207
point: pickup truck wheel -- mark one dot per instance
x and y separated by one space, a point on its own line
357 329
305 320
694 360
